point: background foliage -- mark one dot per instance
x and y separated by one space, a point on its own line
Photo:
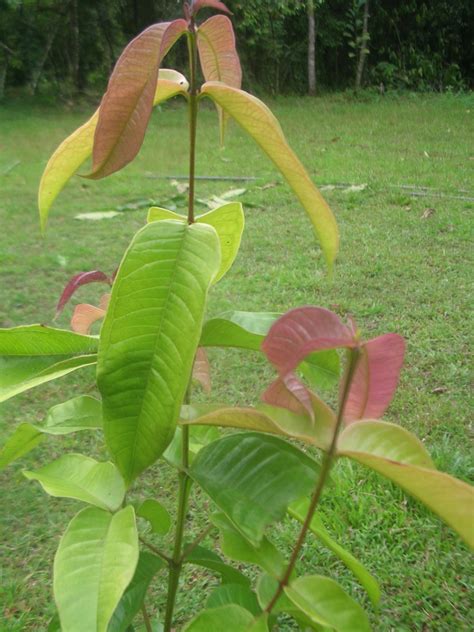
70 46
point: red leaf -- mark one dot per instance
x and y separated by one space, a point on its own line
94 276
212 4
301 331
217 51
84 317
202 370
289 393
376 378
219 58
127 105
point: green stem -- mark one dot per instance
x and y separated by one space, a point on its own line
188 550
322 479
156 551
193 111
184 480
146 619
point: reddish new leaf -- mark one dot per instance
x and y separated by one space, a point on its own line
84 317
94 276
211 4
217 51
127 105
219 58
376 378
301 331
202 370
288 392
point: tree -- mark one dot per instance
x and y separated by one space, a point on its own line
311 49
363 47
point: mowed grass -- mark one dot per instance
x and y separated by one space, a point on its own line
405 265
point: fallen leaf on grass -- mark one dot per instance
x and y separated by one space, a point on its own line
428 212
181 187
439 390
355 188
97 216
269 185
135 205
232 193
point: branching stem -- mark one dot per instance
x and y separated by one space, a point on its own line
156 551
188 550
322 479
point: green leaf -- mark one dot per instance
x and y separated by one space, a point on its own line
231 618
201 556
321 370
80 413
77 148
19 374
25 438
266 588
228 221
199 436
252 478
238 329
326 603
148 566
94 564
257 120
34 354
298 510
39 340
80 477
234 594
156 514
149 338
401 457
236 547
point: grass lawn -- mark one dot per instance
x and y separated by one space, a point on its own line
404 267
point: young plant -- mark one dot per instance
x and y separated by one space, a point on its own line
152 344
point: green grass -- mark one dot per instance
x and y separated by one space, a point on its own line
397 271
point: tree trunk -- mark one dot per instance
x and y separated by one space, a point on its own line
363 47
3 76
39 67
311 49
75 49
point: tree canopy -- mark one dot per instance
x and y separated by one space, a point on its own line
70 46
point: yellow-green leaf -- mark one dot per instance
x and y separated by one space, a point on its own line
273 420
228 221
77 148
257 120
400 456
94 563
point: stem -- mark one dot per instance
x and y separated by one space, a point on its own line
193 110
322 479
146 619
188 550
156 551
176 562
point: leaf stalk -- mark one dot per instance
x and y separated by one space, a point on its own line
322 480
